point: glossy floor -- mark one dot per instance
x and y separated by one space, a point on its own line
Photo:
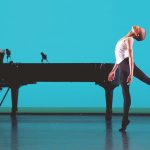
72 132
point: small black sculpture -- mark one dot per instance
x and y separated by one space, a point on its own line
8 53
44 57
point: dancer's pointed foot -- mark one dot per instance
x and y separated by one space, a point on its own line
124 126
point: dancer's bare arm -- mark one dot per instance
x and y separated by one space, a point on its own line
129 43
111 75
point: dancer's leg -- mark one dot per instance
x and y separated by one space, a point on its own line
123 74
126 95
141 75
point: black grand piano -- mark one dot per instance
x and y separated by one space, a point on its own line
15 75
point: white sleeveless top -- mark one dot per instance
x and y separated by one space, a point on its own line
121 51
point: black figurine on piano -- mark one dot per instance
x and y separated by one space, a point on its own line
8 53
44 57
2 53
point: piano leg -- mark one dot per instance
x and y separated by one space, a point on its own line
109 99
14 96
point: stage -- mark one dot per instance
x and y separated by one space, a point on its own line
73 132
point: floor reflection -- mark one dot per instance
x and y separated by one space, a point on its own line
14 133
125 141
110 136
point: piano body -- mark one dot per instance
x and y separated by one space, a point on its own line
15 75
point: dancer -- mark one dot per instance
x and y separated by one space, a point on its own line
127 68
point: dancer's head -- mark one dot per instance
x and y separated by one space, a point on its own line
138 33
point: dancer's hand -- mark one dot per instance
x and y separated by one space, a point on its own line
129 79
111 76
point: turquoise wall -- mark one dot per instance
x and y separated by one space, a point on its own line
73 31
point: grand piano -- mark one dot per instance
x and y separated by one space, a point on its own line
15 75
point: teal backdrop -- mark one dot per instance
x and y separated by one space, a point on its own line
73 31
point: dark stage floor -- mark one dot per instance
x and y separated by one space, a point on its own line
72 132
